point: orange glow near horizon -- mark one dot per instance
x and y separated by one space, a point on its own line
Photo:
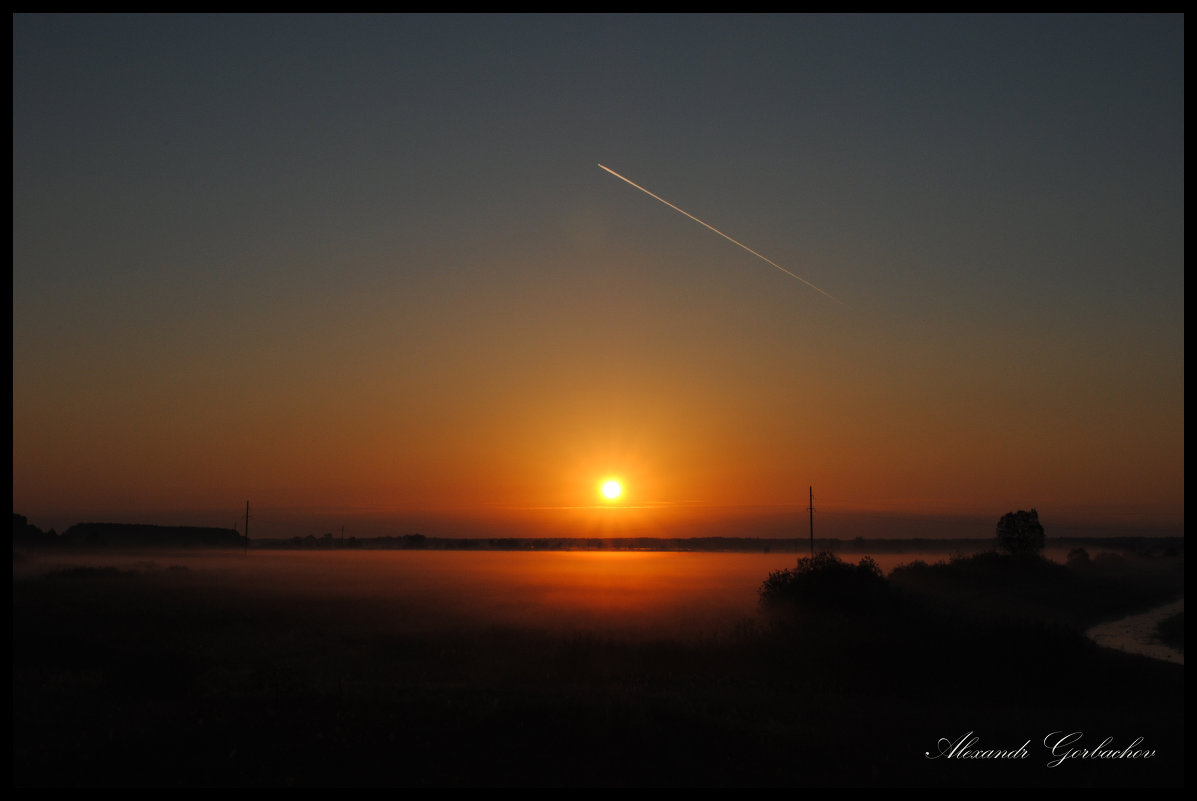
703 424
391 317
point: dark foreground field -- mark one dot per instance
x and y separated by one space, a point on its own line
160 676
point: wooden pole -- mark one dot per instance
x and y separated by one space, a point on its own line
812 521
247 528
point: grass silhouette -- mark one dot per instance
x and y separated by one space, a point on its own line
183 678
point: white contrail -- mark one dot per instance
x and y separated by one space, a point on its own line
725 236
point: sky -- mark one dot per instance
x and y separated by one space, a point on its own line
367 268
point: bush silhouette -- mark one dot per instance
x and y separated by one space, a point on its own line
826 581
1020 533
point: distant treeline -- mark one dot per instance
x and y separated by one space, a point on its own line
103 535
1154 546
123 535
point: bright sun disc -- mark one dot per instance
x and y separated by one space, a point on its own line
612 490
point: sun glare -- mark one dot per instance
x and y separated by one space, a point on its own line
611 489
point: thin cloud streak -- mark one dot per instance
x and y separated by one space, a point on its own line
725 236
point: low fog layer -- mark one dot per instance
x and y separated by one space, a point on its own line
631 593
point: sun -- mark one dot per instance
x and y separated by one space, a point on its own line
611 489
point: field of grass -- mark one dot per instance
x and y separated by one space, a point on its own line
181 677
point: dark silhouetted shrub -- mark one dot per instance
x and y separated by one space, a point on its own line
1109 559
825 581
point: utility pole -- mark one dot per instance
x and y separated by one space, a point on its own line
247 528
812 521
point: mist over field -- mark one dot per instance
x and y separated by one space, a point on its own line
620 593
433 668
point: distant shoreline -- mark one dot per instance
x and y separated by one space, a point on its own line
731 544
1159 546
1147 546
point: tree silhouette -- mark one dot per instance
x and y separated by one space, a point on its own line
1020 533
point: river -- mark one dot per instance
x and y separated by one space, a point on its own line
1136 634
